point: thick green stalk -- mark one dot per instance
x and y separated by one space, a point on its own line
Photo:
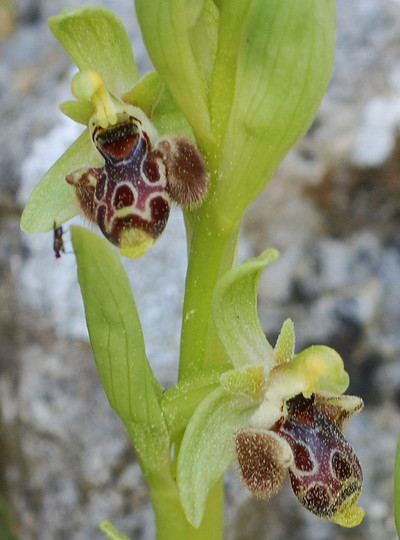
212 252
171 522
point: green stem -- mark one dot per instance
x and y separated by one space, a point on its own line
212 253
171 522
397 489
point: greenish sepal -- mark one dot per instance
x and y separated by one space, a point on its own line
53 200
248 381
96 40
208 449
112 533
79 111
234 309
179 402
115 331
284 347
153 97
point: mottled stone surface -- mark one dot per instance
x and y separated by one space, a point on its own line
333 212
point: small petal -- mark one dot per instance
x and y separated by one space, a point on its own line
284 347
152 96
264 459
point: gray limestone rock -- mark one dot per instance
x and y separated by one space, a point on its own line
332 210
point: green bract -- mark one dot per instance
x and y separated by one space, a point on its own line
235 313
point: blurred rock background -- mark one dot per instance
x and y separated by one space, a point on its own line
333 210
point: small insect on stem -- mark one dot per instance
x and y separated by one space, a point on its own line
58 241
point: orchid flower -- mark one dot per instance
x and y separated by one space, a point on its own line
275 412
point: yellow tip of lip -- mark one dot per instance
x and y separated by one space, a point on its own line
349 517
134 243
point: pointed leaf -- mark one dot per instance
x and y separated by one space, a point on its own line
53 200
208 448
235 313
96 40
115 331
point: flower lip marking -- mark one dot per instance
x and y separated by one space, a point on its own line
116 143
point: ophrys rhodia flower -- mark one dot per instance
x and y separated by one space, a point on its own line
129 197
275 412
123 171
